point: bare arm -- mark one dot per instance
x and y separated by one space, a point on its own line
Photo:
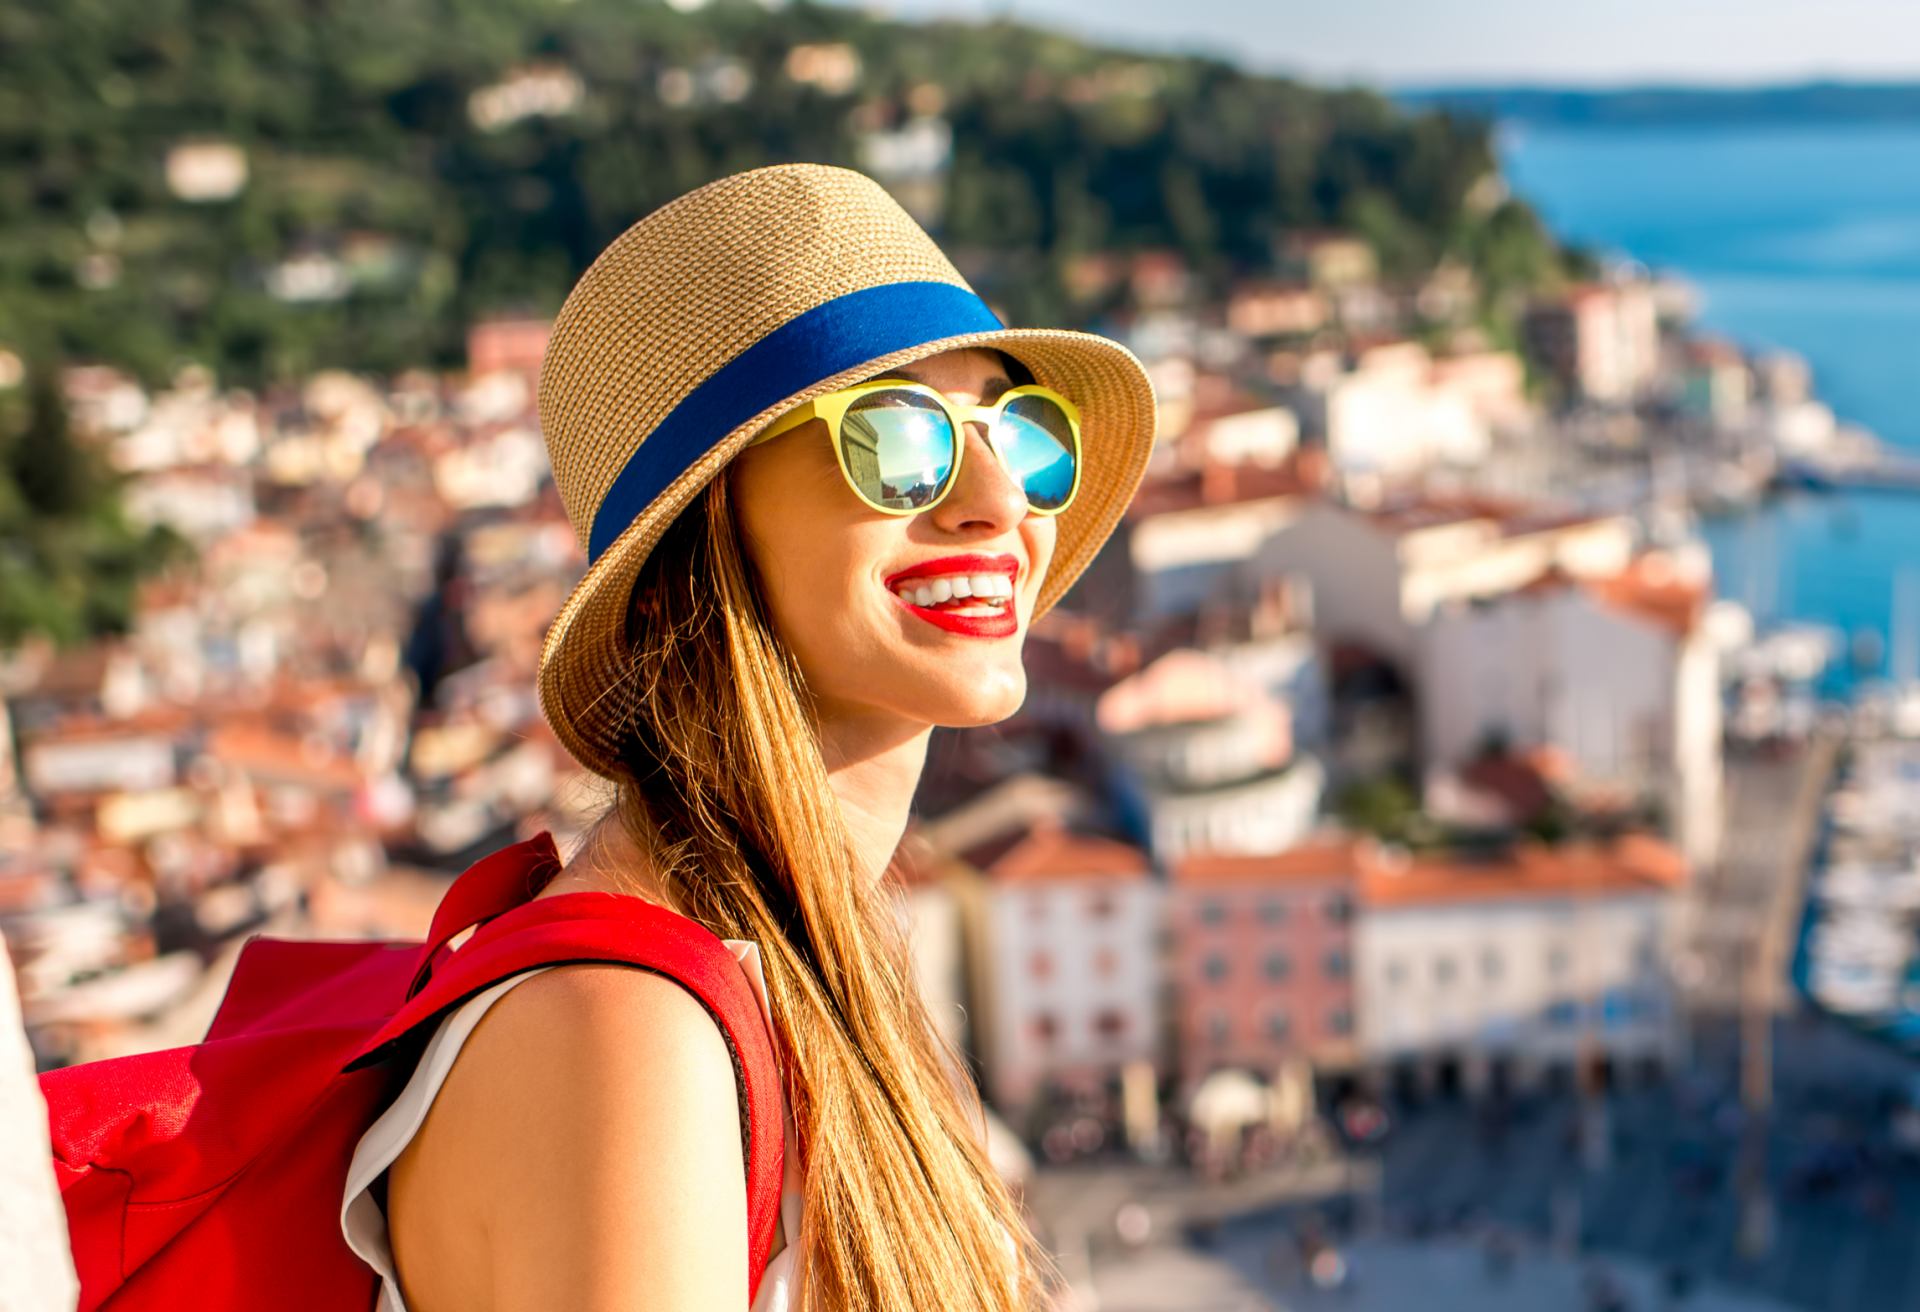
583 1153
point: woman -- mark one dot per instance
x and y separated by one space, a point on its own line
824 493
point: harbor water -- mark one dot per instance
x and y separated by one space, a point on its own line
1806 239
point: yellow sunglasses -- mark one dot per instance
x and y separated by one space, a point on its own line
899 443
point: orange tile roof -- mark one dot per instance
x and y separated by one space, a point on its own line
1333 859
1048 852
163 591
1652 589
256 747
1635 863
1649 588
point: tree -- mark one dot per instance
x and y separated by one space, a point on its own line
70 561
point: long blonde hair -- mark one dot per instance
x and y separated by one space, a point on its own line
725 789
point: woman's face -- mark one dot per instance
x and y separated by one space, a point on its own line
826 561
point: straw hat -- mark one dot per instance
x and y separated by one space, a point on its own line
721 311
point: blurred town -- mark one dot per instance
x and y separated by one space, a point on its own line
1391 888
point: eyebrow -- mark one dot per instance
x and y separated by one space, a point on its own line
990 391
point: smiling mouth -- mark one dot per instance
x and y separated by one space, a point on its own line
970 594
983 596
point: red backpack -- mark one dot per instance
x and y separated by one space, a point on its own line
211 1176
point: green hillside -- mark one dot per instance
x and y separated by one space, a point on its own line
357 119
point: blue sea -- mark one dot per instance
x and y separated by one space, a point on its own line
1802 238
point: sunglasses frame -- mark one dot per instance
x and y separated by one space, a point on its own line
833 407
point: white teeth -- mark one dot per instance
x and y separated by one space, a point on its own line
993 590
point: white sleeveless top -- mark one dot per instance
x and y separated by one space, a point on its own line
365 1225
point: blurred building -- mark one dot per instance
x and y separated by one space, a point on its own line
1504 969
1276 309
1715 384
1065 942
1212 746
1262 960
546 89
206 170
1328 259
1601 340
1203 758
1188 535
507 345
1391 417
1615 673
1378 573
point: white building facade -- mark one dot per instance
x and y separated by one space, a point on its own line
1067 957
1628 693
1499 977
1378 574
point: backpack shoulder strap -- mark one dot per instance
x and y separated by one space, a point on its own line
612 927
489 887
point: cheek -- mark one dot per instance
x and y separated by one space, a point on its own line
819 563
811 561
1042 534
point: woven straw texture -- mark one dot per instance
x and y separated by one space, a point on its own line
690 287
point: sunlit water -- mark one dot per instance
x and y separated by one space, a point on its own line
1803 238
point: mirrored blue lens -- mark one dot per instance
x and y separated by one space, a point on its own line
1036 439
898 448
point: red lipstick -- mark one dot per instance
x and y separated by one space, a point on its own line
1002 625
974 563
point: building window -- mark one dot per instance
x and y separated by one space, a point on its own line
1101 905
1273 911
1040 965
1216 966
1217 1027
1110 1025
1443 970
1278 1024
1335 964
1562 1014
1556 961
1339 908
1105 962
1340 1021
1625 1004
1396 972
1045 1028
1490 966
1213 911
1278 965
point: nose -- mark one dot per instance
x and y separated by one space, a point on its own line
984 495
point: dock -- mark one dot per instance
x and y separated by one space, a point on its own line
1889 473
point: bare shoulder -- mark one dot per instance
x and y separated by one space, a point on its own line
583 1151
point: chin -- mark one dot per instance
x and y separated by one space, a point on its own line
974 708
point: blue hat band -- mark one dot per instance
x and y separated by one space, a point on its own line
832 337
